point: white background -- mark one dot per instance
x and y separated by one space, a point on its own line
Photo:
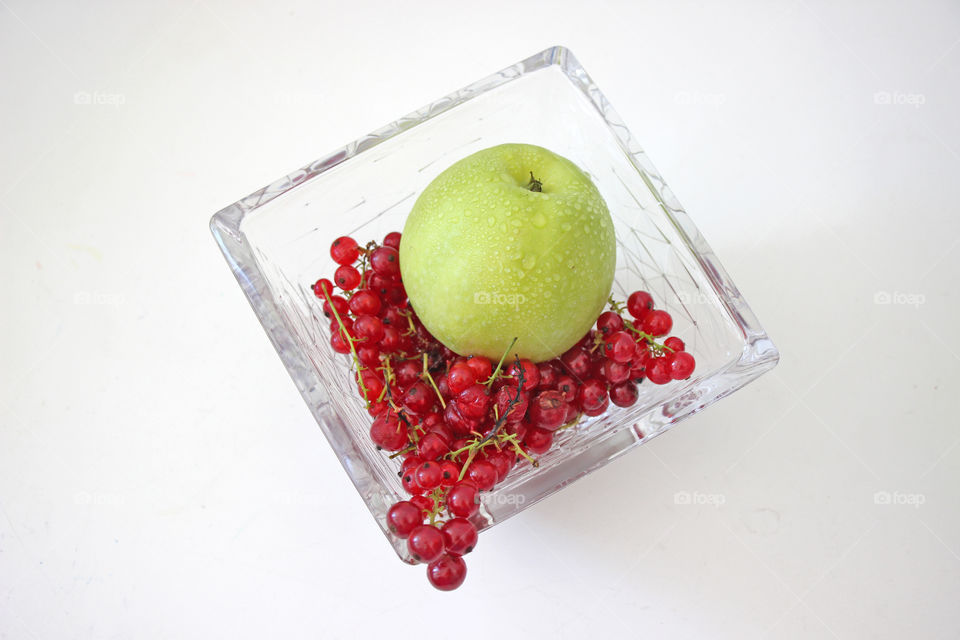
160 477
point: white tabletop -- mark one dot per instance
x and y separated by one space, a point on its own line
160 476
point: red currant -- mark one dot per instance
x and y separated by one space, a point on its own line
447 573
392 239
432 446
531 375
386 262
463 500
657 323
387 432
425 543
658 370
423 503
609 322
567 386
461 376
369 355
418 398
473 402
344 250
620 347
600 410
674 343
509 404
483 474
404 517
365 302
409 482
502 461
577 362
459 536
623 394
391 339
322 285
615 372
538 440
347 277
591 395
429 474
339 303
548 410
339 343
368 327
682 365
549 372
481 366
639 303
450 473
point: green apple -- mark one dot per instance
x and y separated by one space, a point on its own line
513 241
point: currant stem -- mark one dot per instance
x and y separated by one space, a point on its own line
426 374
350 339
493 376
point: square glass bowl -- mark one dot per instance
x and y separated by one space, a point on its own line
277 242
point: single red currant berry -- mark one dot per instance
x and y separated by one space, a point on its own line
459 425
548 410
549 372
365 303
531 375
609 322
658 370
344 250
386 262
682 365
392 239
418 398
369 355
390 341
423 503
591 395
623 394
409 482
567 386
473 402
577 362
510 405
377 407
339 344
425 543
447 573
674 343
450 473
620 347
538 440
481 366
657 323
502 461
404 517
615 372
373 384
368 327
407 372
339 303
459 536
387 432
322 285
461 376
483 474
598 410
639 303
573 412
346 277
429 475
345 330
391 316
396 294
463 499
432 446
517 428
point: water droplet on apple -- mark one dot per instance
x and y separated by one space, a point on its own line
529 262
539 220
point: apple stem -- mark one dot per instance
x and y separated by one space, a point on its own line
535 185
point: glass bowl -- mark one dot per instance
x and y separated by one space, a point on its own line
277 239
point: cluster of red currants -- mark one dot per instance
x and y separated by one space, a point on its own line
461 423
